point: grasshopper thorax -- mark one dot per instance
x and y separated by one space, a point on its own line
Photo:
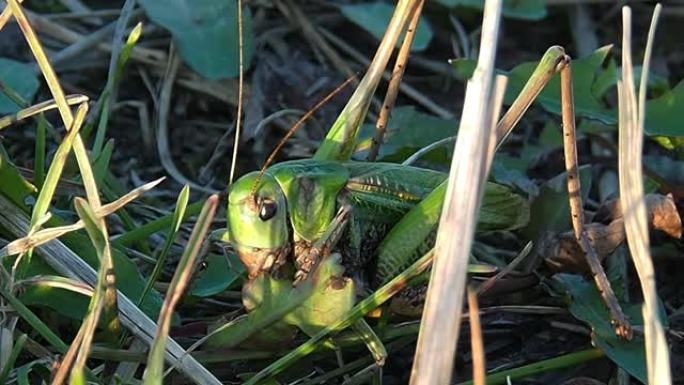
258 223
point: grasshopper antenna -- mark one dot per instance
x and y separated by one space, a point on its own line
241 81
294 129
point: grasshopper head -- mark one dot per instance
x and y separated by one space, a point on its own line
257 222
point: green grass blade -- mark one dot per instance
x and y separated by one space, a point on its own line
178 215
13 95
55 171
556 363
97 232
39 153
56 281
101 164
112 83
35 109
40 237
155 363
143 232
60 99
32 319
341 139
16 349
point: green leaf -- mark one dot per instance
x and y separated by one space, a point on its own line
409 130
206 32
589 79
512 177
20 78
464 68
374 18
584 74
550 211
663 114
515 9
221 272
586 305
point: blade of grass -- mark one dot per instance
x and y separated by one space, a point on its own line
395 81
40 237
32 319
101 163
55 281
62 105
178 215
39 153
556 363
155 363
340 141
97 232
120 58
631 131
476 344
438 337
35 109
145 231
9 364
67 263
241 82
56 167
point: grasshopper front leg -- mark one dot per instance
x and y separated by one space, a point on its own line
310 259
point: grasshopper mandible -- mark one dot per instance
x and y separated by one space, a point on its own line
285 221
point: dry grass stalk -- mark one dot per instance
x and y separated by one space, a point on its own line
631 126
433 360
476 343
395 81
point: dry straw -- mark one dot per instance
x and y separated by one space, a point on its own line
631 127
433 362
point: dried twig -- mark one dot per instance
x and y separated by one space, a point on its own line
395 81
618 318
476 344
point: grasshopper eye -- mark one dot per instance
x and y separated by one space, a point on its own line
267 209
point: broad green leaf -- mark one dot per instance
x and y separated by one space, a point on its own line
464 68
512 177
409 130
206 32
20 78
663 114
584 74
550 211
590 81
515 9
374 17
221 272
586 305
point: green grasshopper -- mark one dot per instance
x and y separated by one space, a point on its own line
287 221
